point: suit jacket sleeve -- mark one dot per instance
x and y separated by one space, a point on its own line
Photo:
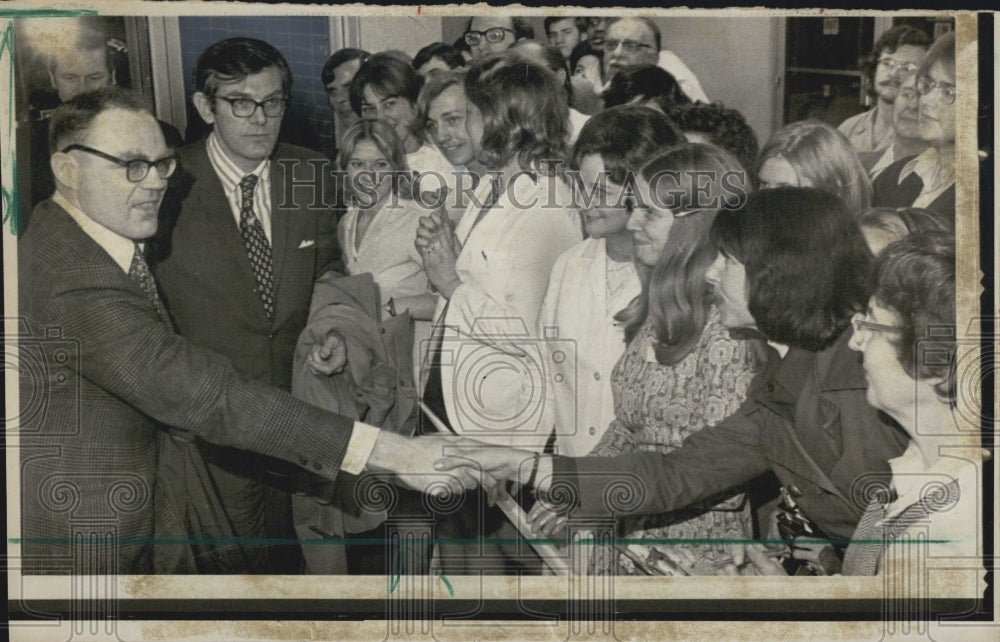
127 351
710 462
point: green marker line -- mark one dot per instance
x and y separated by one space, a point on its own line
11 202
47 13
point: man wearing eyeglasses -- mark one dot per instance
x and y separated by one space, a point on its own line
104 373
236 260
78 63
636 41
489 34
896 56
906 140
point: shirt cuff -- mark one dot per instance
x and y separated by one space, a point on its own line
359 448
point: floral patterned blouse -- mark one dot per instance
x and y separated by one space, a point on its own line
656 408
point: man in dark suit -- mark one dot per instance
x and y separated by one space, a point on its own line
102 370
247 230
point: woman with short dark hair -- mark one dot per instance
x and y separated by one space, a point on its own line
792 266
386 88
596 279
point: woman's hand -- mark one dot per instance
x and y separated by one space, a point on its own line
752 559
439 248
548 519
493 466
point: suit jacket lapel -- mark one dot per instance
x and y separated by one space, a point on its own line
280 221
209 198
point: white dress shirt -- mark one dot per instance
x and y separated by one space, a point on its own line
926 166
230 176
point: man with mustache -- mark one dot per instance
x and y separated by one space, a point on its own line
896 56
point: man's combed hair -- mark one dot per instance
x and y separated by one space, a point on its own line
579 23
446 53
234 59
341 57
808 268
73 118
915 279
889 42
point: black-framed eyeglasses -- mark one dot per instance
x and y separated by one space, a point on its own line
891 66
630 46
925 86
136 169
245 107
493 35
861 323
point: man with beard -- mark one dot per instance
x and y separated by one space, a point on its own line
896 56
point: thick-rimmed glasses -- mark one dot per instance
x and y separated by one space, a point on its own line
925 86
493 35
136 169
630 46
891 66
245 107
861 323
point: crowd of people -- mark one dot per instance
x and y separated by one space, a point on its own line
550 267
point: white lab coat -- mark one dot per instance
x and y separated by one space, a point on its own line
491 355
578 320
672 64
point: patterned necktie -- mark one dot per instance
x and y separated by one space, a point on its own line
139 272
258 249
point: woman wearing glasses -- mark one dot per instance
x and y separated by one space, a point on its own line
928 180
929 508
896 56
791 266
914 294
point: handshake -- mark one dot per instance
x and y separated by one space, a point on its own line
449 464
